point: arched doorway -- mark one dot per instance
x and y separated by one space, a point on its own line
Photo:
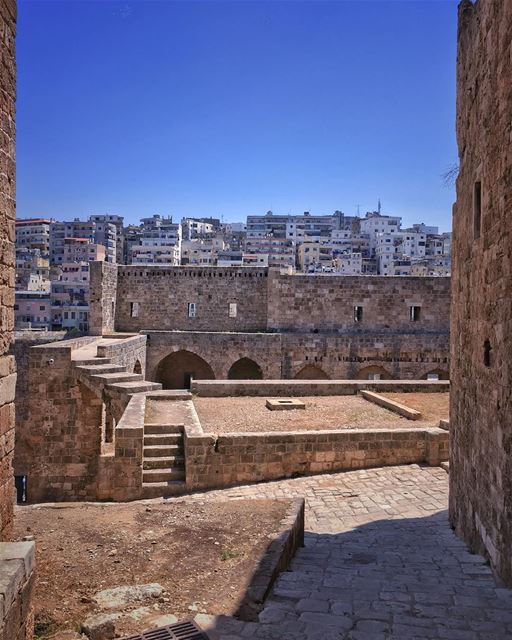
373 372
137 367
176 370
311 372
437 374
245 369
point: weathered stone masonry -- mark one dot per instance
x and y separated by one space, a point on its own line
16 559
288 325
481 350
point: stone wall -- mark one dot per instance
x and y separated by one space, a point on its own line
481 350
231 459
102 297
285 355
24 341
17 578
326 303
59 434
158 298
275 388
163 295
7 262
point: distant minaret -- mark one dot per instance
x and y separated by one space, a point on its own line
378 206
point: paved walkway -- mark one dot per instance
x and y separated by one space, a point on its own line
380 562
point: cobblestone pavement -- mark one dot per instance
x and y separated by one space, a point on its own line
380 562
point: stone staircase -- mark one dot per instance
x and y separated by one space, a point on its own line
163 465
103 374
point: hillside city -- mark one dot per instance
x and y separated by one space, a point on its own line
52 257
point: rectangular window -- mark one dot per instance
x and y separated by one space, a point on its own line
374 376
134 309
414 313
432 376
192 309
232 310
41 308
358 314
477 209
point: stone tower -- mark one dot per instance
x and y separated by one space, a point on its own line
481 325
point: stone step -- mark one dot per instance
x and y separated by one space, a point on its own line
162 475
154 427
162 450
122 376
169 462
163 489
135 387
167 439
101 368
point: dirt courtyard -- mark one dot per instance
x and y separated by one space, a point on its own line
249 414
203 554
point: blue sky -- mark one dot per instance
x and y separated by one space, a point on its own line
233 108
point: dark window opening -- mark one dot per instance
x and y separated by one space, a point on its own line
358 314
487 353
20 483
415 312
477 209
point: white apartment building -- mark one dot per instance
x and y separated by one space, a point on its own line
349 264
159 242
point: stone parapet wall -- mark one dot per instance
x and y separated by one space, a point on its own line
481 349
231 459
17 578
221 388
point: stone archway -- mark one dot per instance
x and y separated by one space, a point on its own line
176 370
373 372
137 367
245 369
311 372
441 374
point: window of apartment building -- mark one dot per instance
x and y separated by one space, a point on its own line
358 314
192 309
414 313
66 315
477 209
232 310
134 309
16 307
41 307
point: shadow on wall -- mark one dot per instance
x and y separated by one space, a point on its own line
311 372
346 573
245 369
176 370
373 372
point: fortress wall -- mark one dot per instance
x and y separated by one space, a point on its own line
481 329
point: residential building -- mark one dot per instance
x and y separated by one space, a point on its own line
33 233
32 310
